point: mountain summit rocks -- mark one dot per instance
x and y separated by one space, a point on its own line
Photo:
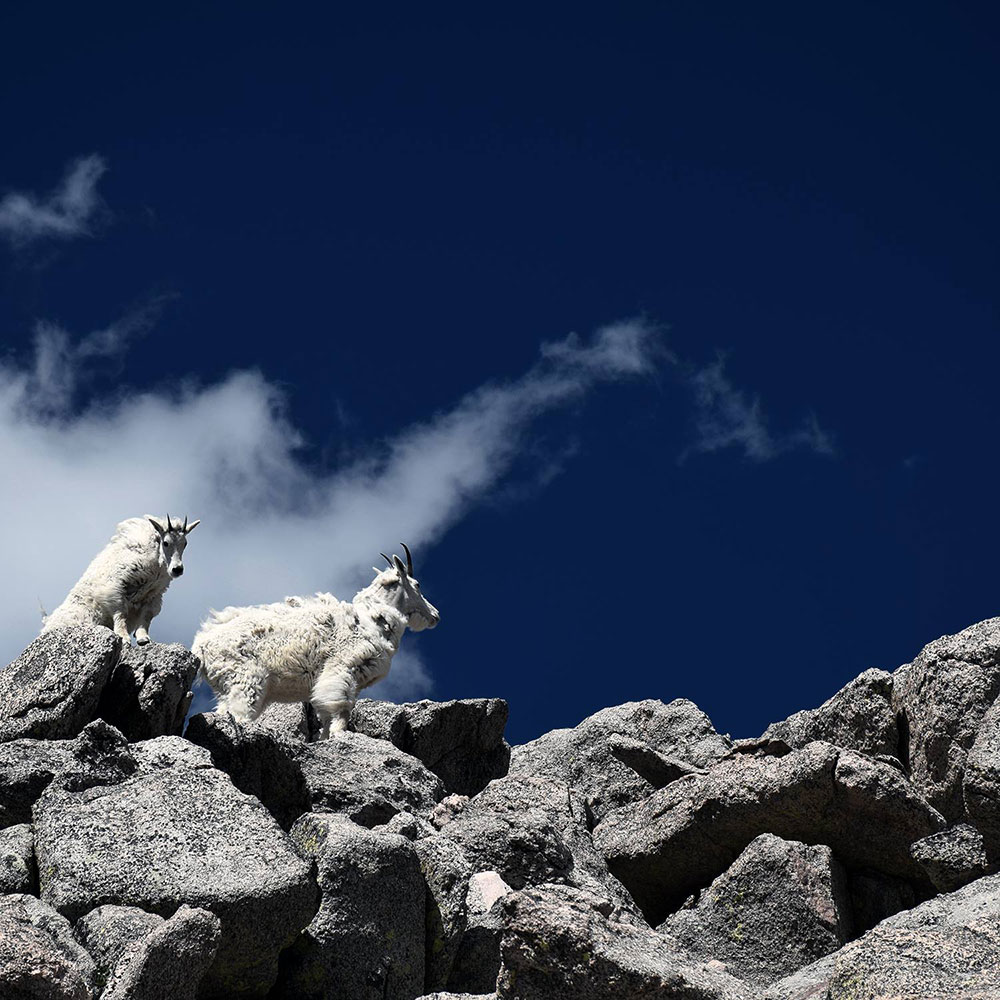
850 852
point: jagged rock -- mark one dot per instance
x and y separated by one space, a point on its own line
810 983
409 826
446 873
447 809
560 943
875 896
859 717
39 957
947 948
366 941
530 831
680 838
953 857
52 689
149 692
18 871
293 720
179 835
169 963
943 695
169 751
477 962
460 741
366 779
982 781
623 754
259 759
107 932
780 906
100 755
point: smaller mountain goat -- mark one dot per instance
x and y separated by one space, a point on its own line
316 649
123 587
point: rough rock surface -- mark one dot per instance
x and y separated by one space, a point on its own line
860 716
679 839
149 692
52 689
780 906
169 751
560 943
982 782
810 983
107 932
39 957
18 872
623 754
943 695
169 963
460 741
366 941
953 857
477 962
179 835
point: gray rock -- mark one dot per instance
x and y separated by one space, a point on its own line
942 697
409 826
531 831
18 871
953 857
366 941
623 754
458 996
447 809
680 838
860 716
171 962
947 948
293 720
52 689
446 873
100 755
39 957
810 983
169 751
981 785
875 896
780 906
149 692
366 779
460 741
477 962
560 943
107 932
179 835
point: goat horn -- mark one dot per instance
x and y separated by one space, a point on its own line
170 527
386 558
409 558
185 528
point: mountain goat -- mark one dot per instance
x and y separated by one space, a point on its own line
316 649
123 587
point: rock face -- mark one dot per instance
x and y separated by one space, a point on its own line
561 943
109 931
175 836
459 741
52 689
942 696
149 691
680 838
18 872
860 716
366 941
780 906
953 857
39 957
982 782
477 963
623 754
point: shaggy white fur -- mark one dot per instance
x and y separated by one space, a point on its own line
316 649
124 584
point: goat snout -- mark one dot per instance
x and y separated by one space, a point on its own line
176 570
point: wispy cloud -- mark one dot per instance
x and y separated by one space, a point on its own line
728 417
228 453
66 212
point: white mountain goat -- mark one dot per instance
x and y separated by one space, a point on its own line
123 587
316 649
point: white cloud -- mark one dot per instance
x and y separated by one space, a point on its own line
66 212
227 453
726 417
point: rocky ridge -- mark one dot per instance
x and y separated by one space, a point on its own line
851 852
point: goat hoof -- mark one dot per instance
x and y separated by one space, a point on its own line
142 642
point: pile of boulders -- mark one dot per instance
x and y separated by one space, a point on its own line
850 852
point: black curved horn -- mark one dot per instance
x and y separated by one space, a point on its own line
170 527
386 558
409 558
185 528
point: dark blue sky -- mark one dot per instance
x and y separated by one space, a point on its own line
383 208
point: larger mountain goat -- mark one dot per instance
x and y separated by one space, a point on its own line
316 649
124 584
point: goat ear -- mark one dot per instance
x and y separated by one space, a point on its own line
192 526
160 529
398 563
